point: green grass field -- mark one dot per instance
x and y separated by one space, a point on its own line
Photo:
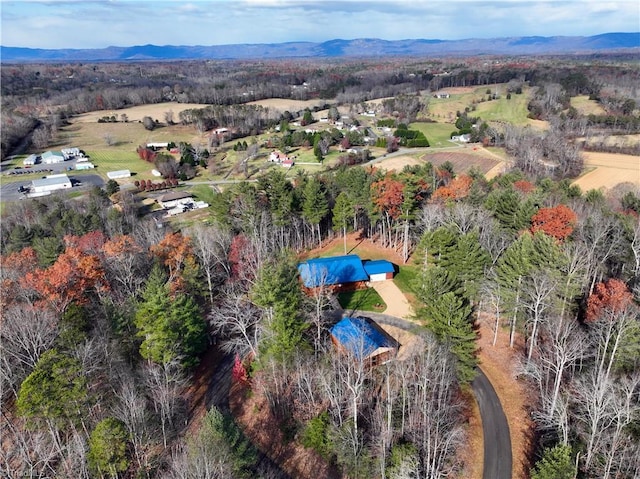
586 106
513 111
438 134
363 299
112 160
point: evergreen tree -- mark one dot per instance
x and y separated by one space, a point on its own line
556 463
315 205
278 291
343 212
449 317
56 390
513 213
108 443
171 327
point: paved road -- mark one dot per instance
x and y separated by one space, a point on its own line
495 429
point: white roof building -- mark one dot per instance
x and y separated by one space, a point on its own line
51 183
30 160
51 157
69 153
113 175
85 166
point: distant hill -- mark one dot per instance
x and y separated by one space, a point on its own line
362 47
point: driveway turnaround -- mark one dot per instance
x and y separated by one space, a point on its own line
497 440
396 301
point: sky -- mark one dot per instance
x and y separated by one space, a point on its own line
102 23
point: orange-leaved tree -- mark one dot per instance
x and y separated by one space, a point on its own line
176 254
13 267
557 221
613 295
69 280
457 188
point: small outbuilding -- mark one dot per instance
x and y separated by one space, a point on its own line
379 270
333 271
51 183
85 166
365 340
114 175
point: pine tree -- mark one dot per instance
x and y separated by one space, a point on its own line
315 205
171 326
278 291
449 317
556 463
342 213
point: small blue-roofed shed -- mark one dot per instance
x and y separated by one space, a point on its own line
379 270
332 271
364 339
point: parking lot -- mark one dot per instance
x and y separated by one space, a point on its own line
12 191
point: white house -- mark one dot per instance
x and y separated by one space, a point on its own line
51 157
175 198
114 175
157 145
278 157
30 160
51 183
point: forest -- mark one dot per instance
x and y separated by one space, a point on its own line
110 322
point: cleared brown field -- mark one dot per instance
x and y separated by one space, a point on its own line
463 162
283 104
136 113
397 163
606 170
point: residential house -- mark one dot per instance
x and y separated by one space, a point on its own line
364 340
343 272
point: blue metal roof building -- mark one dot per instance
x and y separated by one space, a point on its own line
364 339
378 266
335 270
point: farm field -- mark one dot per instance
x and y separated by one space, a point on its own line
397 163
463 162
512 111
606 170
136 113
284 104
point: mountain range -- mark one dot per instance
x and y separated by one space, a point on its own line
364 47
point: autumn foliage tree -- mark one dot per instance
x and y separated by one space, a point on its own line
69 280
612 294
176 254
557 221
457 189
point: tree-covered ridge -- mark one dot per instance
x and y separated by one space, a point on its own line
108 315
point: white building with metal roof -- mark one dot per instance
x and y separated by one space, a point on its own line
51 183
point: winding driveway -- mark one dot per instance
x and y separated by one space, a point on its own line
495 429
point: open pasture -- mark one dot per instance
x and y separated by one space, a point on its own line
136 113
606 170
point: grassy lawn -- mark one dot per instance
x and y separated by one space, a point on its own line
438 134
512 111
364 299
203 193
586 106
112 160
405 277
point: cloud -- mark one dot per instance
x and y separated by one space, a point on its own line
99 23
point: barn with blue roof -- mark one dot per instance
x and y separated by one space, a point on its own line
364 339
336 270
